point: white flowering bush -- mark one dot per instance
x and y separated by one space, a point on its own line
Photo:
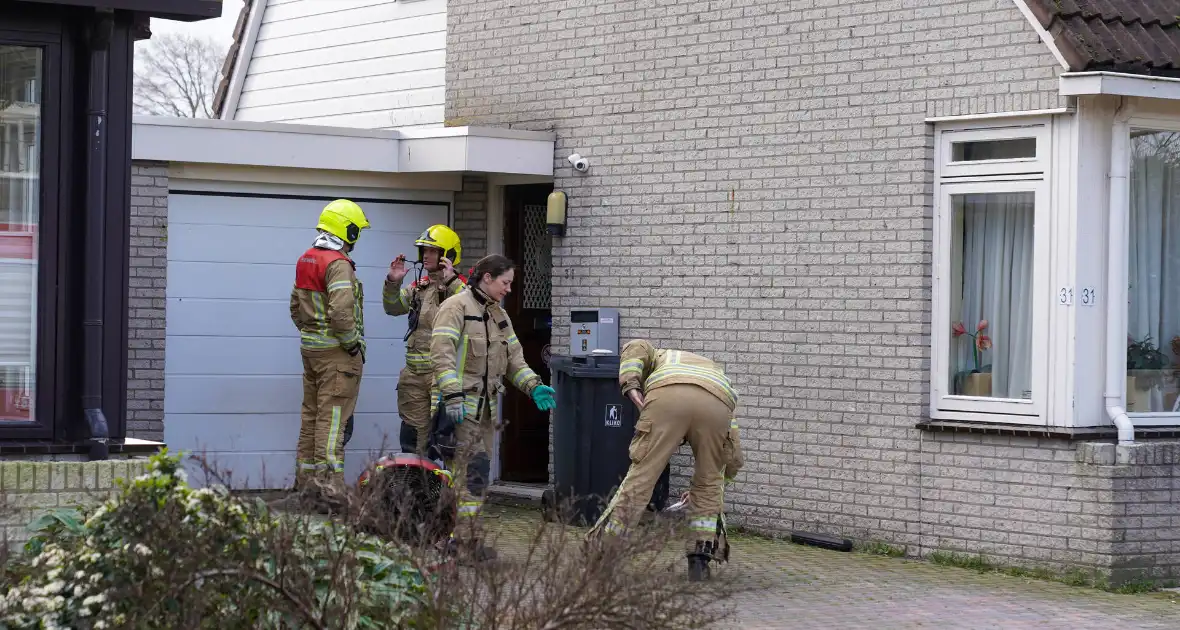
160 554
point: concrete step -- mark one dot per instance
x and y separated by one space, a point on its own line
517 494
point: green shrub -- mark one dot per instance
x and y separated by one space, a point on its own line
160 554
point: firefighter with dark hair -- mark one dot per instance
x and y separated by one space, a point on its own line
439 250
681 396
472 349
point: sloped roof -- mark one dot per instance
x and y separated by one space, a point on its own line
231 59
1131 36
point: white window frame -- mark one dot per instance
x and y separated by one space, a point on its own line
1162 418
991 176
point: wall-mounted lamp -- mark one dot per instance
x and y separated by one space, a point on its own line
555 214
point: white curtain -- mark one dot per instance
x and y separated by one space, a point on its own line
1153 304
992 279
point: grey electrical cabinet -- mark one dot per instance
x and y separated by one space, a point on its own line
594 329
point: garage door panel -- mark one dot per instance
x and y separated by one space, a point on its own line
223 211
263 245
270 432
263 394
269 318
215 280
259 450
260 356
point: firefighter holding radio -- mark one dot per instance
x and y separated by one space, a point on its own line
439 251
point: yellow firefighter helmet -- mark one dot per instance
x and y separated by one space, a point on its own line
344 220
441 237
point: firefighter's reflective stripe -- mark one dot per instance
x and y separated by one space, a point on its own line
631 366
418 359
522 376
307 465
446 331
321 337
340 285
704 524
398 300
673 368
613 526
447 377
334 431
469 509
733 423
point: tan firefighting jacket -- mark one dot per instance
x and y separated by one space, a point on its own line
472 348
327 301
430 292
645 367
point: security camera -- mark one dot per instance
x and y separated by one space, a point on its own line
580 163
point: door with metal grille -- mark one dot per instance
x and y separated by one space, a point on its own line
525 439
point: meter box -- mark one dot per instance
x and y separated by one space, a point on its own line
594 329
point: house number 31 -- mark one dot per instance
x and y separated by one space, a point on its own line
1088 296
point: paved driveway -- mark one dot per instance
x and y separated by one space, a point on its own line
793 586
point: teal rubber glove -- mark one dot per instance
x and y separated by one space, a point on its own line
543 397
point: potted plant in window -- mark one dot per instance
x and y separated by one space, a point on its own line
1145 365
978 380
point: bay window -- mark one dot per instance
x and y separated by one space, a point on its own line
1153 273
991 209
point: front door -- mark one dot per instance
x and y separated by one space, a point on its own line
524 444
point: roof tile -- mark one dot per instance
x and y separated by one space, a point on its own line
1133 36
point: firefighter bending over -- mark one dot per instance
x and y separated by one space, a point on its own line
439 251
681 396
327 308
473 347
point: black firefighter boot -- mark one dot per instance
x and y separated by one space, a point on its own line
698 561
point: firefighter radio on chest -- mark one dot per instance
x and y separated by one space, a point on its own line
594 329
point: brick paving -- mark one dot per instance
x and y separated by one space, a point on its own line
793 586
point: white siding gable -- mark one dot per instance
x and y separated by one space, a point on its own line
374 64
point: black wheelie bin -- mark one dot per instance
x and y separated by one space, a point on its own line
592 430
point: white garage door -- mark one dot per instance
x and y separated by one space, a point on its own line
233 374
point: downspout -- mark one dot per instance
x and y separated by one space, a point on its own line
96 176
1116 273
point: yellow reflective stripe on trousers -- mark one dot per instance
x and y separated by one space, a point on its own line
703 524
333 431
469 508
613 526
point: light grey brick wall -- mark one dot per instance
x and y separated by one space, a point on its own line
146 301
471 207
761 191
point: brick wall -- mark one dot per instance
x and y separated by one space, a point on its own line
30 488
471 207
772 160
146 302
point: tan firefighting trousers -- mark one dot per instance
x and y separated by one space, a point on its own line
670 414
472 468
413 405
331 382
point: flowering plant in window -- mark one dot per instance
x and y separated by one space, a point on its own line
981 344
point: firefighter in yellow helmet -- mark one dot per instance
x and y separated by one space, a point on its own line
472 349
681 396
327 308
439 251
